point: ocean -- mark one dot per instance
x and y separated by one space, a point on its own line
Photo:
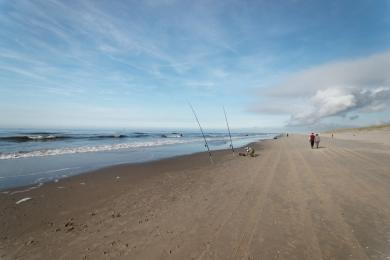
30 156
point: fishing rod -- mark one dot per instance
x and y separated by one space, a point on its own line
230 135
201 130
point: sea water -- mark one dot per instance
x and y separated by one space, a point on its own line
38 156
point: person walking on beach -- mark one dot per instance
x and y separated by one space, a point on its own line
311 140
317 140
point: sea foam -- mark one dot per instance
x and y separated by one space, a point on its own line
86 149
169 139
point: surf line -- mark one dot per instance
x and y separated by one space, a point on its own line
201 130
230 135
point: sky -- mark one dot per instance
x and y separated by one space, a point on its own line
291 64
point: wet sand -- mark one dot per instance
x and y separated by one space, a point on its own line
289 202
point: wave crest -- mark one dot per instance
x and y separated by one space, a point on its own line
85 149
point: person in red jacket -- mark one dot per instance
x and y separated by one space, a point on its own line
312 137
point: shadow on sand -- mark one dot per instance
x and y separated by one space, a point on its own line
319 147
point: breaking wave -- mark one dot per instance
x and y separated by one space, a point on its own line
85 149
46 136
90 143
28 138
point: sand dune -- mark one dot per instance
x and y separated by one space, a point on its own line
378 134
289 202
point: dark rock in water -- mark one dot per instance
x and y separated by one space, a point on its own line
172 135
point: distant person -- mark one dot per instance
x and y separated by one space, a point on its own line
312 137
317 140
332 135
287 135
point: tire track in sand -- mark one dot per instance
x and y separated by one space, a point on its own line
308 232
256 211
348 156
286 229
230 215
363 187
333 228
343 151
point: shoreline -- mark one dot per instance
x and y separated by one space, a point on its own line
113 166
288 202
75 199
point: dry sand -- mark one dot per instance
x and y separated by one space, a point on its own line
380 134
289 202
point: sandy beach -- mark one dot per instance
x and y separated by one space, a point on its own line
374 134
289 202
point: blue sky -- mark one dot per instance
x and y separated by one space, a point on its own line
136 64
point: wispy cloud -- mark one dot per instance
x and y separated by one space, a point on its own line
129 52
